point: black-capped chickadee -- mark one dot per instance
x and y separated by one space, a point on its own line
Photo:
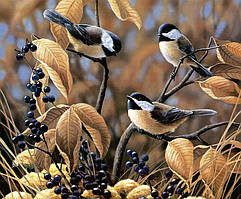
158 118
89 40
174 45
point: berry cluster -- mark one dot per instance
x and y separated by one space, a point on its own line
173 187
96 178
73 193
139 165
21 53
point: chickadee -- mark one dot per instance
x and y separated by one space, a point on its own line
157 118
174 45
89 40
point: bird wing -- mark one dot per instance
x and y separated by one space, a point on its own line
185 46
89 35
169 116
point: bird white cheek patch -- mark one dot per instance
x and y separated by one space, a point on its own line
173 34
107 41
145 105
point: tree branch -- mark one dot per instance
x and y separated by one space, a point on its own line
97 13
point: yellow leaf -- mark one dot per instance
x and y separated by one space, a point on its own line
125 186
228 52
124 11
35 180
138 192
95 125
39 102
56 62
47 193
179 157
227 71
213 169
68 133
222 89
43 160
88 194
25 158
50 117
18 195
73 10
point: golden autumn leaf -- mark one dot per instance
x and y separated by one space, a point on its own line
50 117
138 192
213 169
227 71
68 133
18 195
222 89
124 11
43 160
73 10
228 52
179 157
55 60
39 102
95 125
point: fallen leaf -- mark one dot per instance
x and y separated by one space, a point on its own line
124 11
50 117
95 125
213 169
179 157
43 160
55 60
71 9
68 133
228 52
222 89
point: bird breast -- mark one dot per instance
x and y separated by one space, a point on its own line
95 51
143 120
171 52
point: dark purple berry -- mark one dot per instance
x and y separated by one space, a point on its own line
28 86
57 190
141 164
102 173
107 194
103 186
170 189
103 166
34 120
33 47
93 155
37 124
36 139
96 191
168 173
51 98
49 185
26 99
134 154
95 184
81 168
74 180
29 44
87 186
39 85
47 176
37 94
32 107
64 189
146 168
35 77
31 137
154 193
165 195
15 140
21 144
64 195
20 137
43 128
174 181
135 160
31 125
74 187
88 177
57 178
32 101
129 152
34 130
38 70
145 157
25 49
47 89
38 90
19 56
104 180
98 160
136 168
142 172
75 196
142 197
33 88
151 177
129 164
41 75
45 99
179 190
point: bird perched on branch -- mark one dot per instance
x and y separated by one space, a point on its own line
89 40
174 45
158 118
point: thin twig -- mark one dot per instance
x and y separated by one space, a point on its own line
103 87
120 150
97 13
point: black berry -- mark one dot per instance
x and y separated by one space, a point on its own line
19 56
33 47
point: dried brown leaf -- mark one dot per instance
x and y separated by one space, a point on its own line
43 160
56 62
50 117
228 52
39 102
227 71
179 157
222 89
213 168
73 10
124 11
95 125
68 132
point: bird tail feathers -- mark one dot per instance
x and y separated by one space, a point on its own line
203 112
204 72
53 16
